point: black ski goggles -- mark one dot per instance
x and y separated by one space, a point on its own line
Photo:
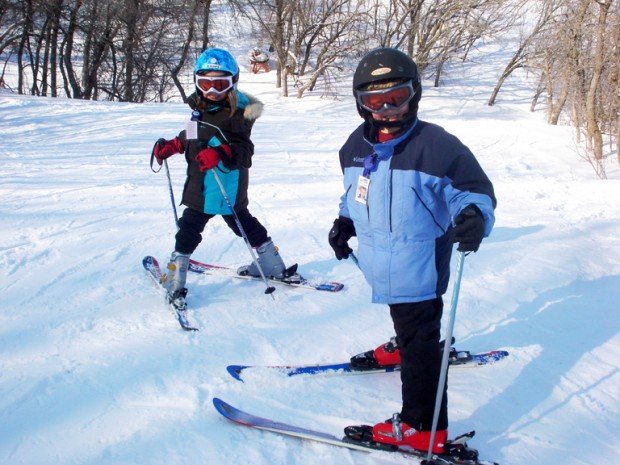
381 100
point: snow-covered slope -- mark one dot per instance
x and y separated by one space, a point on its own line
94 369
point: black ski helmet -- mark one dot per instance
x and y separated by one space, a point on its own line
387 64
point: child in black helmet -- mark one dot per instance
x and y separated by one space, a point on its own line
407 182
216 138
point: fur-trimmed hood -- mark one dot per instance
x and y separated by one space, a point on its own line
252 107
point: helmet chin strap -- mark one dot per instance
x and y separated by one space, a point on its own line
374 126
405 121
387 124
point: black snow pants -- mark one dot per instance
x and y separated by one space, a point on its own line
417 327
193 222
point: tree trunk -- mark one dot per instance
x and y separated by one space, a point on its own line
205 24
40 45
23 44
540 88
46 58
128 47
68 52
510 67
592 124
438 70
174 72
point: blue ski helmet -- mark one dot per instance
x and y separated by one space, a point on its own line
217 59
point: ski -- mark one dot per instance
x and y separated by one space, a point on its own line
457 359
292 279
459 453
151 265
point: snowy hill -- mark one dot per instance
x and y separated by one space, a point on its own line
94 369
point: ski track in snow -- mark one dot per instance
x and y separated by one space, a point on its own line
94 369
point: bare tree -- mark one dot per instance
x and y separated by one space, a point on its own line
99 36
577 58
555 51
23 48
71 78
593 130
544 15
176 69
275 18
324 35
435 32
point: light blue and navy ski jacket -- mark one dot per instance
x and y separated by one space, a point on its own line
419 183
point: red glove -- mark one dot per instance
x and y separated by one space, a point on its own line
209 158
166 148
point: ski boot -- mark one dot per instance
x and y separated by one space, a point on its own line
388 355
272 265
175 280
394 433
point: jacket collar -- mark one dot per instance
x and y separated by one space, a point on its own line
385 150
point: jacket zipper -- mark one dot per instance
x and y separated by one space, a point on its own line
390 201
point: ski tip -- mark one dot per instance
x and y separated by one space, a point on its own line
490 357
234 414
221 406
229 412
235 371
148 260
332 286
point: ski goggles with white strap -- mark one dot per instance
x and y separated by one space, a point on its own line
381 100
217 84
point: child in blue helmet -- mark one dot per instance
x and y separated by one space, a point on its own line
217 137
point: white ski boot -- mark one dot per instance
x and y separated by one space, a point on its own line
270 262
175 279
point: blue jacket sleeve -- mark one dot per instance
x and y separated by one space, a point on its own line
470 185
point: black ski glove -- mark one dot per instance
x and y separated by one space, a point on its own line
469 229
339 235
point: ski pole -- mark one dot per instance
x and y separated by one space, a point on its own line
160 142
269 289
174 207
446 353
354 258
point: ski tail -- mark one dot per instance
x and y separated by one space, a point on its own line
235 371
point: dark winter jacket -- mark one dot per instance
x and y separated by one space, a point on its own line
423 179
201 191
